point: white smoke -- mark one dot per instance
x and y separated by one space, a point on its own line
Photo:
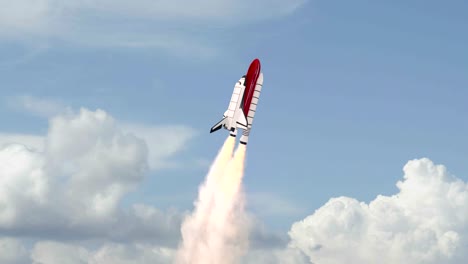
217 231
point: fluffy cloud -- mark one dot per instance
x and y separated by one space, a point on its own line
33 142
73 187
65 194
426 222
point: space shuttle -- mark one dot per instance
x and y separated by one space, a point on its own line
243 104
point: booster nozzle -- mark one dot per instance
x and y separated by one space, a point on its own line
245 137
233 132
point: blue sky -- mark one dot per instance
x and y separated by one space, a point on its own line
352 91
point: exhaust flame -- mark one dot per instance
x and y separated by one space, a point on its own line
217 230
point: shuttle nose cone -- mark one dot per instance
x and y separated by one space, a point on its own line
255 64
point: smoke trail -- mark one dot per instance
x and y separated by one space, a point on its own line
217 231
228 236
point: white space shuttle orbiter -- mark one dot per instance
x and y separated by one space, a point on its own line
243 104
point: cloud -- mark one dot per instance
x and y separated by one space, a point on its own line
12 251
31 15
70 185
48 252
33 142
64 190
51 252
25 16
170 23
42 107
162 141
123 252
183 9
276 256
134 253
73 187
425 222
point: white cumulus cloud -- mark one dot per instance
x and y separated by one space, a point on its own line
33 142
63 192
425 222
73 187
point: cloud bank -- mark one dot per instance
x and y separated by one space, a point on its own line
425 222
72 189
61 202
